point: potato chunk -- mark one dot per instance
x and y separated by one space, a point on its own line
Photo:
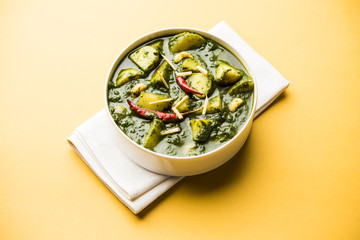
185 41
244 85
118 112
164 70
146 58
226 74
146 99
201 83
214 106
190 65
201 129
185 106
127 75
153 136
158 45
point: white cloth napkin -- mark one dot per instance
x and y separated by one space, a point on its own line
133 185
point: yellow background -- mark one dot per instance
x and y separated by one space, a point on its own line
297 177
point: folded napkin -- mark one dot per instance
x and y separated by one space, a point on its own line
134 186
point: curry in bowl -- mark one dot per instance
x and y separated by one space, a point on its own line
182 95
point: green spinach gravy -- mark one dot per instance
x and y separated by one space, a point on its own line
180 95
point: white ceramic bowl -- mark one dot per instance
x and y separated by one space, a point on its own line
179 166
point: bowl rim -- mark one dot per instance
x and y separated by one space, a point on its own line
162 33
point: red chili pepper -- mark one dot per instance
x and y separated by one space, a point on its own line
184 86
149 114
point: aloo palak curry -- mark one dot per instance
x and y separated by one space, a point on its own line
181 95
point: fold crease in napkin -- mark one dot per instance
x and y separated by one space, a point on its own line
134 186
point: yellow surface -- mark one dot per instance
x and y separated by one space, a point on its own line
297 177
